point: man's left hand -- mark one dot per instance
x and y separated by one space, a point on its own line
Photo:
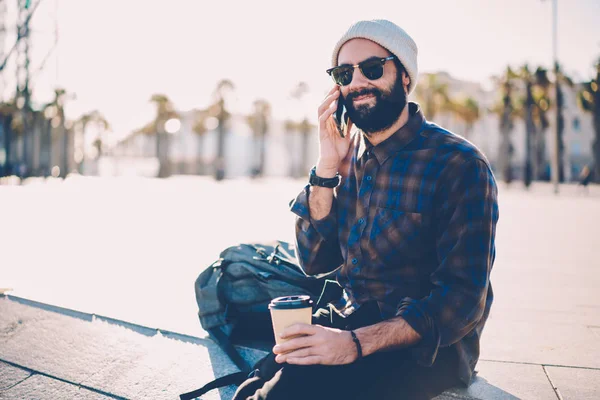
317 345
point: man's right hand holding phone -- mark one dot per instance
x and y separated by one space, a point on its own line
333 148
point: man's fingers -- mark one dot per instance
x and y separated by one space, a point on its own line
331 91
332 126
327 113
310 360
328 101
299 329
299 353
326 105
294 344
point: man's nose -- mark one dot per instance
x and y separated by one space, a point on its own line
358 79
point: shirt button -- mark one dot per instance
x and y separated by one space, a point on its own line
369 178
361 221
354 261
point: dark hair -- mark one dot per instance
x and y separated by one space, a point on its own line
400 68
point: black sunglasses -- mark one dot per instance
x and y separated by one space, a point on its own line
371 68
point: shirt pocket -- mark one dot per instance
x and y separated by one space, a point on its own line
396 235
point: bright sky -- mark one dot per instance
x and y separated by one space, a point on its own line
115 53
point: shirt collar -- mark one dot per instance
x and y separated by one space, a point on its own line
398 140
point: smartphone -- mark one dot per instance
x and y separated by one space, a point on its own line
341 118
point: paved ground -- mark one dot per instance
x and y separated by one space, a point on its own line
130 249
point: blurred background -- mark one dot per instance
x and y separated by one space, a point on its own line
230 89
140 138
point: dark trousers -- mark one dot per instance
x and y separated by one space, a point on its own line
383 375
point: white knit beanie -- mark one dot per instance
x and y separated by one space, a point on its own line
388 35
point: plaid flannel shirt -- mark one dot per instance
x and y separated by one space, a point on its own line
412 226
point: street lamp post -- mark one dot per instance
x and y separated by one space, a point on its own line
556 153
220 161
170 128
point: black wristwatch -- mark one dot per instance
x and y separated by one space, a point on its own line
315 180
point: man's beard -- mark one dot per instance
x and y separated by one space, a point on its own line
382 115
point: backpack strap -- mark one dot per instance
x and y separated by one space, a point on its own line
232 379
264 369
223 341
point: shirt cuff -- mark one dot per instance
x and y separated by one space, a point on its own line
425 351
325 227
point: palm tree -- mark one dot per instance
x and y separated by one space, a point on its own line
82 122
57 105
26 133
200 129
259 123
299 91
164 112
41 129
560 79
528 109
7 112
589 100
218 109
534 110
94 116
433 96
290 127
506 111
47 148
467 110
541 100
303 127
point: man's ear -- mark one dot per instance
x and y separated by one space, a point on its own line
405 80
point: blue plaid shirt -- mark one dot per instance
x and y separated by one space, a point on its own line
412 227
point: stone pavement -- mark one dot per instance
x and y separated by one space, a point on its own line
48 352
130 249
51 353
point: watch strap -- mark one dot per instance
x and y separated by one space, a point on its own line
315 180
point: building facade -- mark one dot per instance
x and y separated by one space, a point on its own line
190 153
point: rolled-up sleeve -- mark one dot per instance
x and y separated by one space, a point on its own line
317 241
466 221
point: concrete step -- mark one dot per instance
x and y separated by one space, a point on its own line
61 353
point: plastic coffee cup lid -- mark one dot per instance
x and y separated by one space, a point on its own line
291 302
